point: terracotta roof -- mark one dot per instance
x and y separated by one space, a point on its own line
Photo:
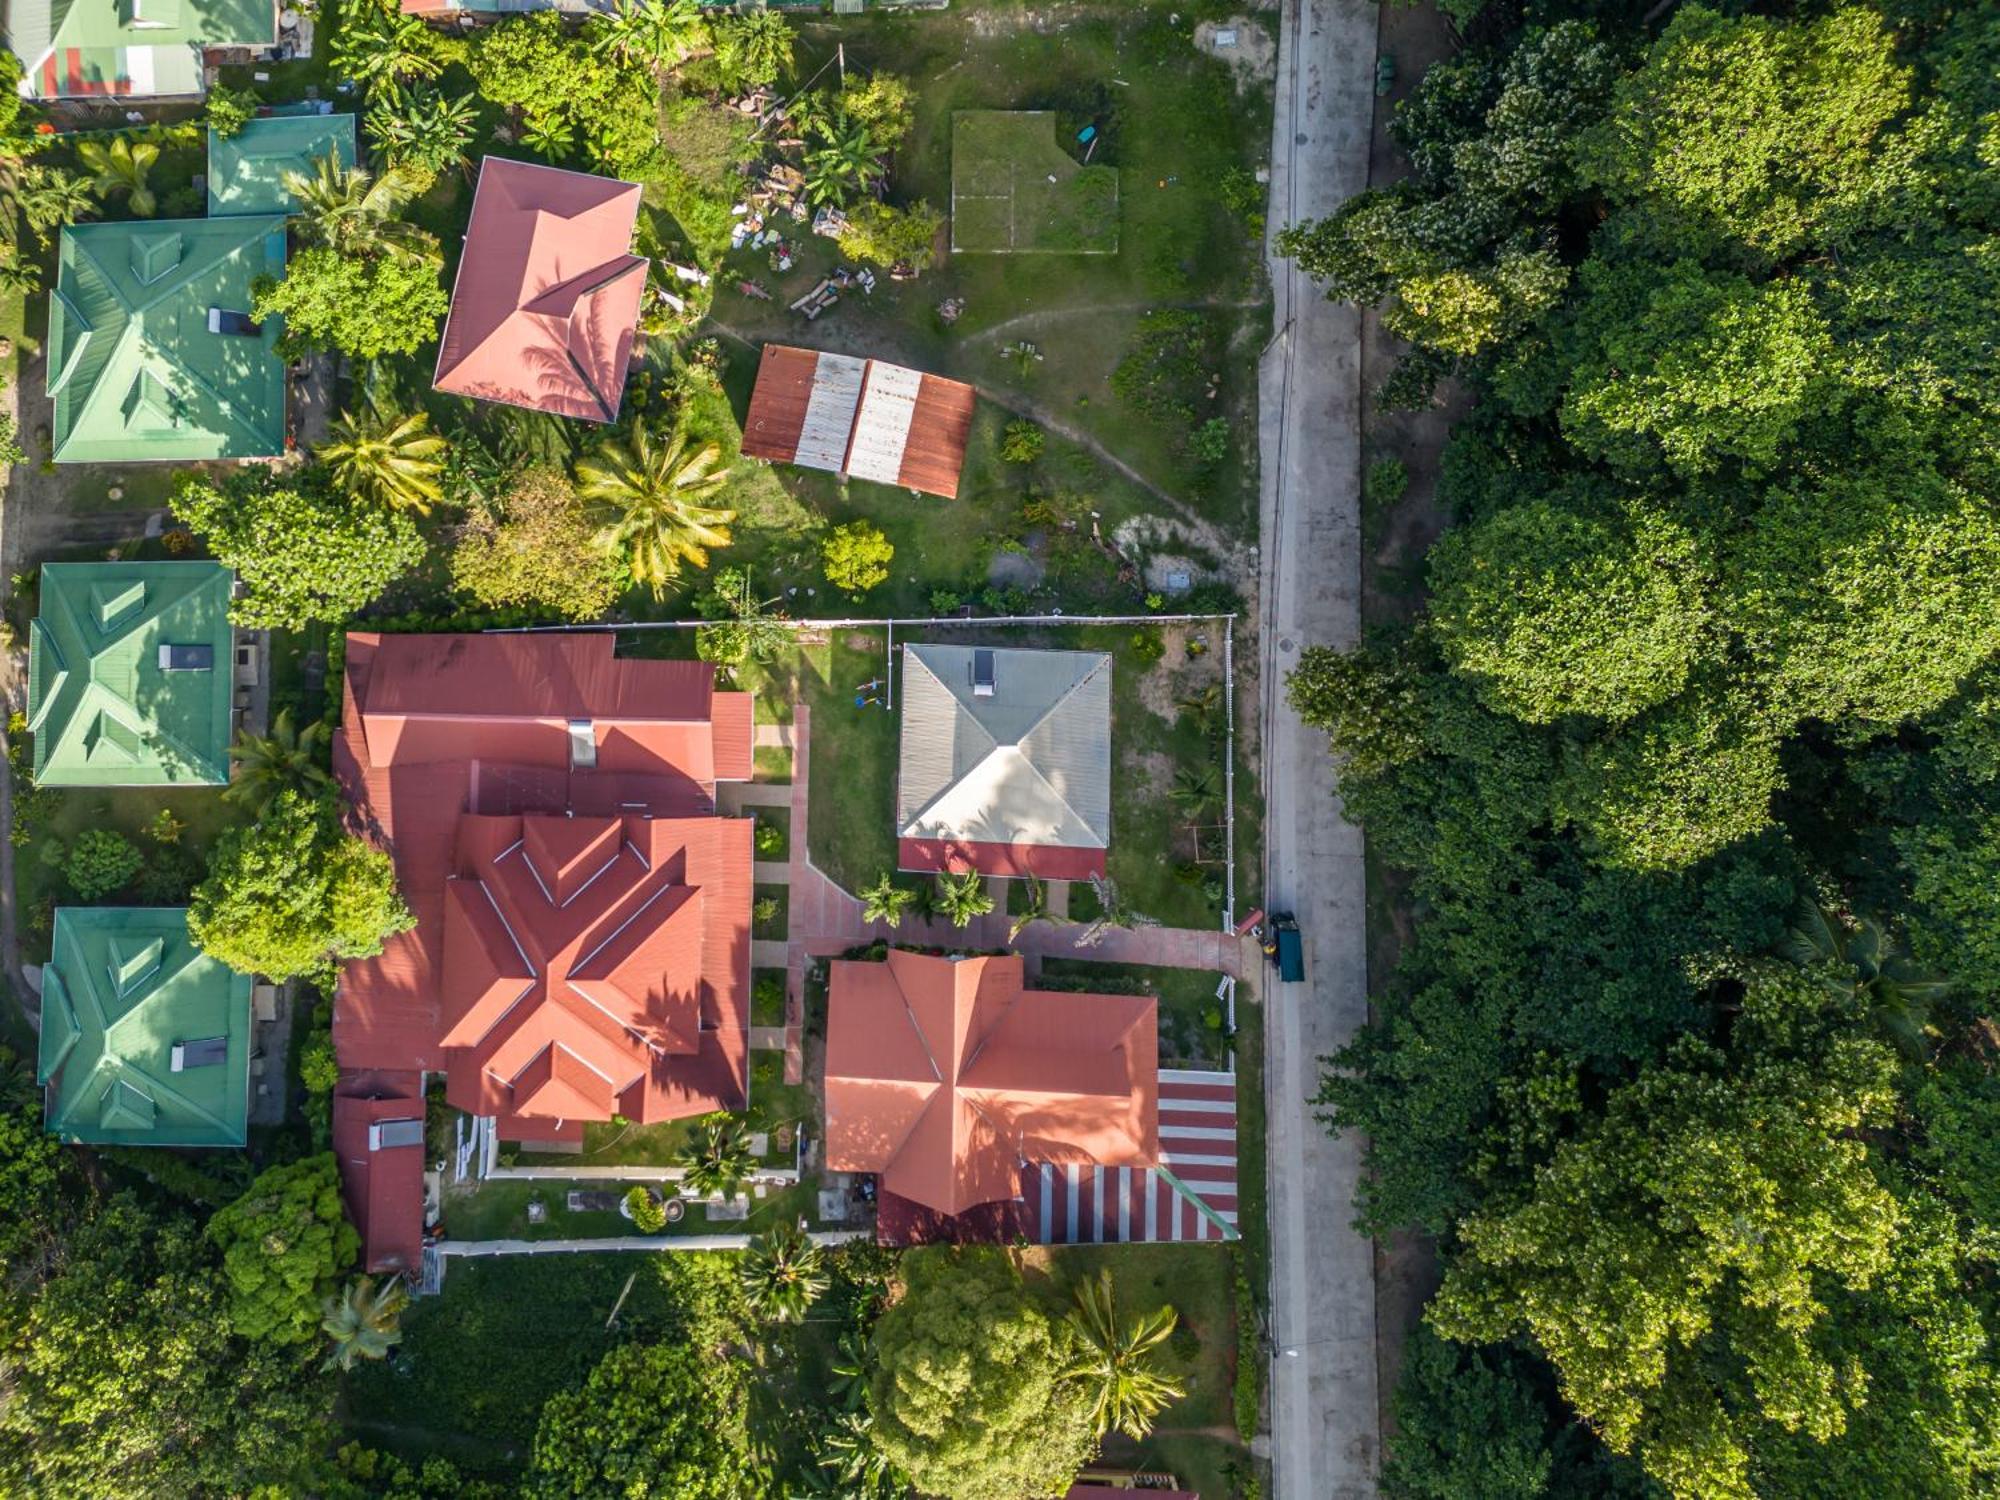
944 1075
583 919
384 1183
547 298
956 856
860 417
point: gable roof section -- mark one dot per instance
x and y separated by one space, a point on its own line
383 1180
102 708
1028 765
859 417
134 369
123 988
546 302
246 171
944 1075
130 48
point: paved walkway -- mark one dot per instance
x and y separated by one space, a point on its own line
1325 1433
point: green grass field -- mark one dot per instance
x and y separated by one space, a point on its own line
1016 191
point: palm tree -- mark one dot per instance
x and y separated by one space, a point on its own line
842 166
885 901
354 212
364 1321
422 127
377 47
655 498
716 1159
287 759
862 1470
390 460
550 137
121 167
17 274
1862 964
658 33
1204 710
1194 791
848 1371
754 48
783 1274
50 197
1115 1358
1112 911
963 897
1034 909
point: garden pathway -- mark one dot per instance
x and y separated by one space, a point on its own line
826 920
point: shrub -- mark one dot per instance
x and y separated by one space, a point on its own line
1385 482
100 862
857 557
1210 441
764 910
770 839
1147 647
649 1214
1021 443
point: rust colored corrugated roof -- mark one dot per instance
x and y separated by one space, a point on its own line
944 1075
384 1185
582 942
867 418
546 304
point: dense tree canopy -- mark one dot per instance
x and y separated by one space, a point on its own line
302 552
966 1394
283 1243
653 1422
1710 642
292 893
363 306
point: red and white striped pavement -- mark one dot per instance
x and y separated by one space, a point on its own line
1190 1196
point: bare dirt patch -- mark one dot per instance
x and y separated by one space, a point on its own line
1252 55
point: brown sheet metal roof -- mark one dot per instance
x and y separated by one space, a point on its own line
885 422
546 304
944 1075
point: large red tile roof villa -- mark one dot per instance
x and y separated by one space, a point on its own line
582 945
546 304
945 1077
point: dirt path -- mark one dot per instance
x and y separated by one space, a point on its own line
1094 308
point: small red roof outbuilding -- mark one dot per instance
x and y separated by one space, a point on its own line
546 304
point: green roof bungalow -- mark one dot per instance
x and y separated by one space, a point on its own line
246 171
130 671
129 49
152 353
145 1038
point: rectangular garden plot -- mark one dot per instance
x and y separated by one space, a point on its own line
1016 191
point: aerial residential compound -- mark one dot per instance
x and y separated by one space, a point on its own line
863 418
145 1039
1006 761
546 303
582 945
130 673
129 49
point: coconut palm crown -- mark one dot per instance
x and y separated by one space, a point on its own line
653 501
1114 1359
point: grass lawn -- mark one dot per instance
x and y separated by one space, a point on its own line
498 1210
1187 1004
55 816
773 763
1016 189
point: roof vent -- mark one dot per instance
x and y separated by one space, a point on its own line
582 746
982 673
186 658
385 1135
153 255
150 405
133 963
112 601
207 1052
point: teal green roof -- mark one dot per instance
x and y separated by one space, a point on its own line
124 988
246 172
133 367
133 48
103 710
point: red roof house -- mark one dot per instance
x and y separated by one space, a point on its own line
546 303
378 1140
944 1077
582 946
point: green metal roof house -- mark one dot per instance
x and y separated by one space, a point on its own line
130 669
145 1038
152 354
246 171
135 49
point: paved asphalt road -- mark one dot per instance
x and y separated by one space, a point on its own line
1325 1435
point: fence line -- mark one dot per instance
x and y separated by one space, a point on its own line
471 1249
859 622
